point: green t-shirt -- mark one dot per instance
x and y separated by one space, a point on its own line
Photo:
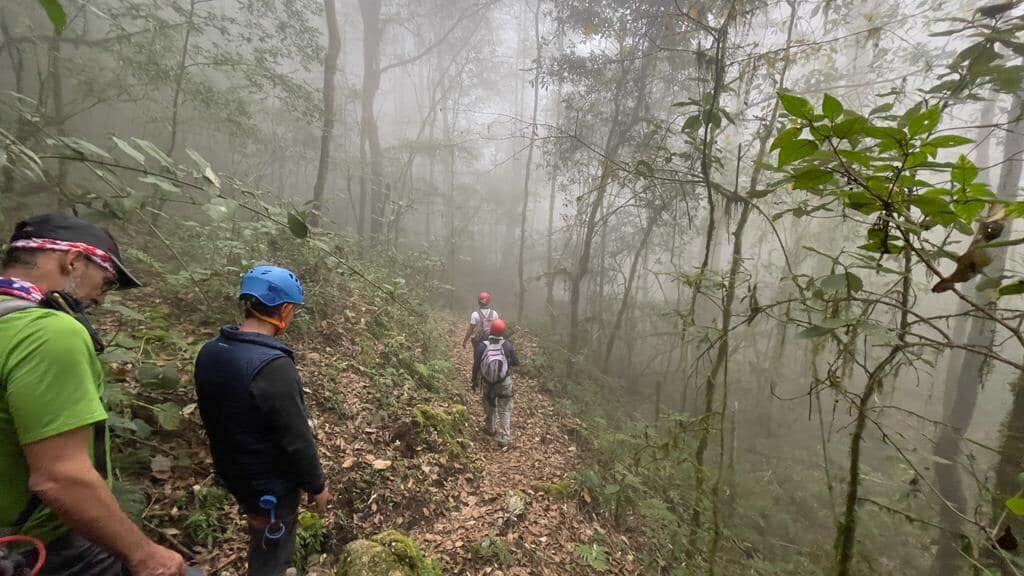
51 382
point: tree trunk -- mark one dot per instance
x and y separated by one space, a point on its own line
618 130
370 12
521 298
723 348
963 382
179 77
327 130
652 222
56 76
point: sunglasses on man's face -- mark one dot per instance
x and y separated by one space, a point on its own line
110 284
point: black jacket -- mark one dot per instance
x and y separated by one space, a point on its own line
251 403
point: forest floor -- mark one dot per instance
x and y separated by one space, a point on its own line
485 512
547 531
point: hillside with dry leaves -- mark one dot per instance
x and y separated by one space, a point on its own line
401 443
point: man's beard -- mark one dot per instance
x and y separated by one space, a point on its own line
71 289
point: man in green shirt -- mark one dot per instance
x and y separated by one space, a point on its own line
54 451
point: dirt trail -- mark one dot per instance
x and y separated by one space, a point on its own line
545 534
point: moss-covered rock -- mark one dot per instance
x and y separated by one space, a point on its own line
389 553
435 429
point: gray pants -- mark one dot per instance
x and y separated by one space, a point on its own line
498 410
273 557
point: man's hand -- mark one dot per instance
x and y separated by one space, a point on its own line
318 502
155 560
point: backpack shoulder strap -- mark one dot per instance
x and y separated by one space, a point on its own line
12 305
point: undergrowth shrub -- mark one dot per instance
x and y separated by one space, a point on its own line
208 522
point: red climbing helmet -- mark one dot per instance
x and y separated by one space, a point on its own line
498 327
484 298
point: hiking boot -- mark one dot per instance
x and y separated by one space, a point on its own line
488 431
504 447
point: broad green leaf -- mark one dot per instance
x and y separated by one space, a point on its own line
882 109
163 377
856 157
1016 505
127 149
948 141
861 202
795 150
850 128
168 415
811 178
55 12
691 123
935 207
831 107
787 135
797 106
964 171
297 226
924 122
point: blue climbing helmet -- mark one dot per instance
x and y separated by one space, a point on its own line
272 286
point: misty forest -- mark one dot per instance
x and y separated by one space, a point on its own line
758 257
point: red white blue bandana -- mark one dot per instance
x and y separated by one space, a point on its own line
99 257
10 286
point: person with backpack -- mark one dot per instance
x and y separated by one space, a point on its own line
493 360
252 406
480 321
55 485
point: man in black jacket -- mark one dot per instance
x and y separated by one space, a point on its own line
251 402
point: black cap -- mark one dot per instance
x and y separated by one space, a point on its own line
72 229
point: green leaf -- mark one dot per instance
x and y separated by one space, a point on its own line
850 128
857 157
882 109
811 178
814 331
1012 289
787 135
861 202
163 377
924 122
127 149
842 282
155 152
1016 505
691 123
592 555
795 150
162 183
796 106
831 107
964 171
297 225
948 141
55 12
935 207
168 415
84 148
